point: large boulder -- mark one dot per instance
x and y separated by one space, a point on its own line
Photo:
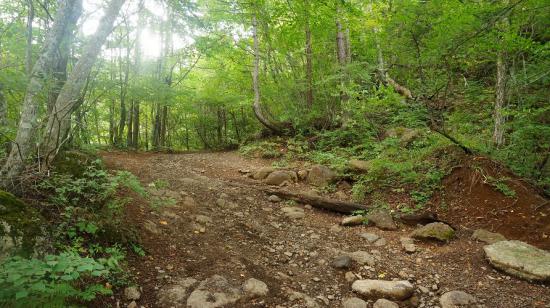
321 176
519 259
435 230
374 289
278 178
19 227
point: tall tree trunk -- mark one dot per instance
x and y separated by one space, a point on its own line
340 40
309 60
500 87
500 101
28 51
137 70
130 125
257 106
59 120
3 119
64 23
135 130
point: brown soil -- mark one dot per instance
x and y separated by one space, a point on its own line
471 202
251 239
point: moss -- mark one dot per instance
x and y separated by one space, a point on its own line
74 162
20 222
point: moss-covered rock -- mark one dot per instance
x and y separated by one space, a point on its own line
435 230
74 162
20 226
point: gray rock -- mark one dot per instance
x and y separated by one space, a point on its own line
274 199
308 300
175 295
255 288
349 276
435 230
384 303
353 220
278 178
262 173
381 219
362 258
371 237
408 244
354 302
487 236
212 293
321 176
519 259
395 290
342 262
132 293
302 175
457 299
293 212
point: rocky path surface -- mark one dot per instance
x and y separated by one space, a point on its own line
213 239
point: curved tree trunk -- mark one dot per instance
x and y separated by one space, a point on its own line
257 106
25 143
59 120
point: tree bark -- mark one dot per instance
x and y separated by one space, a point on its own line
257 106
28 51
3 119
59 120
65 20
309 59
500 101
317 201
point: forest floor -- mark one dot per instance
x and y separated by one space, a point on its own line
222 224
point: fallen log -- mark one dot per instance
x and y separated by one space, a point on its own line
317 201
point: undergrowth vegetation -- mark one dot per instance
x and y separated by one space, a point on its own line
86 241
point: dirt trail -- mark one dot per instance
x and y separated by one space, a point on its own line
236 232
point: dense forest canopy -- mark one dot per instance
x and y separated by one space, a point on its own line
185 75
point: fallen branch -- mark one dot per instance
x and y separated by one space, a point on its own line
317 201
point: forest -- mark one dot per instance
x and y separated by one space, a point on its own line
114 113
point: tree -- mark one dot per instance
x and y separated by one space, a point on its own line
58 124
24 145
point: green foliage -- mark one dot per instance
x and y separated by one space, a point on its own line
52 281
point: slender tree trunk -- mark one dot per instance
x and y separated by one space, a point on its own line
500 101
59 121
309 60
340 40
501 88
130 125
258 111
135 130
28 55
3 119
64 23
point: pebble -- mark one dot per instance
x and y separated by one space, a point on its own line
342 262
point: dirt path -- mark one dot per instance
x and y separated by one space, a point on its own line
217 228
